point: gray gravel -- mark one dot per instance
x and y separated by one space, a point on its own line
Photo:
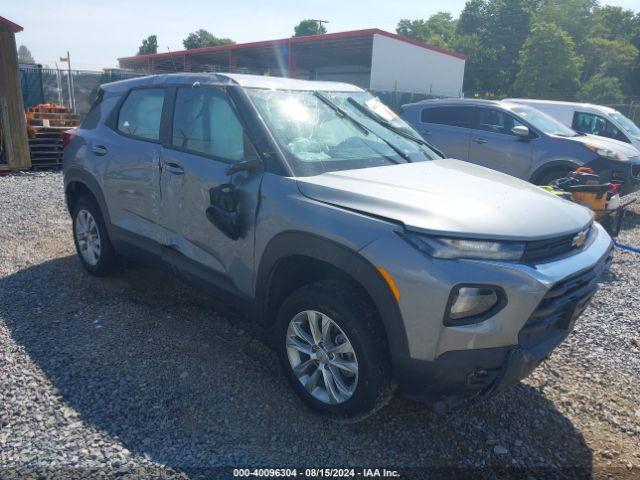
139 374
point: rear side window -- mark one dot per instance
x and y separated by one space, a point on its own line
496 121
596 125
453 116
141 112
205 122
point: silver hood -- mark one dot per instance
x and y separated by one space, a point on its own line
450 197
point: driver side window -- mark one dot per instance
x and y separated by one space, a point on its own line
204 122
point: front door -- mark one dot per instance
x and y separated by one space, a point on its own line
207 216
493 145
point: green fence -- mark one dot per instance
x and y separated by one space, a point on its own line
48 85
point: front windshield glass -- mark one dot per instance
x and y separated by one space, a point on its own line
544 122
627 124
316 138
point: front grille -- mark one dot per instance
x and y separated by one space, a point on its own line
562 304
539 251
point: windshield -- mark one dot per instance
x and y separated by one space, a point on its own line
544 122
626 123
318 138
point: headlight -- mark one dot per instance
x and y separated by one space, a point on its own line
443 247
606 153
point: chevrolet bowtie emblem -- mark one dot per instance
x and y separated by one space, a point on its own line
579 239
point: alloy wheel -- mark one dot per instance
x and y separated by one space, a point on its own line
88 237
322 357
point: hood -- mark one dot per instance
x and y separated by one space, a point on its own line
603 142
450 197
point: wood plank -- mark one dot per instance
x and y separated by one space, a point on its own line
14 124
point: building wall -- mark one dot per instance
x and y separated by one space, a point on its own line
401 66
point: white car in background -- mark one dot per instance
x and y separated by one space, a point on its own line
588 118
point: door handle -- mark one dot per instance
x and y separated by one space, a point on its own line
480 140
99 150
173 168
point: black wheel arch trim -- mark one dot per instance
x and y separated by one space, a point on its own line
553 165
347 260
76 175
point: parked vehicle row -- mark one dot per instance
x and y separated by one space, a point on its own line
371 261
520 140
587 118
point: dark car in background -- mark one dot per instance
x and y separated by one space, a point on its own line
521 141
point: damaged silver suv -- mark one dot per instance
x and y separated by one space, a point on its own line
373 262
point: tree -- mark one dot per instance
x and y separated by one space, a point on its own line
538 77
610 57
202 38
149 45
439 29
24 55
472 17
573 16
613 22
309 27
507 24
601 89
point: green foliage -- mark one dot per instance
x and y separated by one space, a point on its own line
439 29
309 27
549 66
149 45
573 16
507 56
601 89
202 38
24 55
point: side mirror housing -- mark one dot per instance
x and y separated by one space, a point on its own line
521 132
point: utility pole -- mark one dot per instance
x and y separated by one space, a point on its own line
72 95
319 22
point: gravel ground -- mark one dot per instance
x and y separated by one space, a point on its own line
139 374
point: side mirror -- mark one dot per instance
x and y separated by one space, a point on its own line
521 132
244 166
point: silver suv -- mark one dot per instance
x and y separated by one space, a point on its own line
521 141
371 261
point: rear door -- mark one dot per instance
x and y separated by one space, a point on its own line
493 145
206 137
133 152
448 128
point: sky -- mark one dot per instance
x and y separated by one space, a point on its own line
97 32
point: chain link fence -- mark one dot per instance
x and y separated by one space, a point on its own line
48 85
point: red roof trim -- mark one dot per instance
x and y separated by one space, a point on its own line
308 38
14 27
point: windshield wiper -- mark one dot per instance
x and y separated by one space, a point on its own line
342 113
387 124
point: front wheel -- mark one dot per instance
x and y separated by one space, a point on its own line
333 351
91 238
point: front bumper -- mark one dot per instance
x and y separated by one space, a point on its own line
480 360
626 173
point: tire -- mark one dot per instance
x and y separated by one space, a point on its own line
102 261
548 177
356 325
